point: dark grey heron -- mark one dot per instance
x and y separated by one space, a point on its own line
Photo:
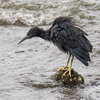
68 37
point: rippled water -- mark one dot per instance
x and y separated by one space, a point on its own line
35 60
36 12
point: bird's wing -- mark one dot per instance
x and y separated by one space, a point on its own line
72 39
66 22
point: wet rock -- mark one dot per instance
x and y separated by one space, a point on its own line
40 85
44 85
76 79
56 80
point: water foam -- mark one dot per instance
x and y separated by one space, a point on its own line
14 12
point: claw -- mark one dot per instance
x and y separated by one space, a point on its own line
63 68
66 68
67 71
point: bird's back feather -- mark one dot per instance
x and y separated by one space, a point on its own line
70 38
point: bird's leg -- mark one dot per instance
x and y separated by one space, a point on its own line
63 68
71 66
69 69
67 62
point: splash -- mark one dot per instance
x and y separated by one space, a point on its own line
31 13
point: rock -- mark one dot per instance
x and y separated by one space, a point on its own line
75 79
56 80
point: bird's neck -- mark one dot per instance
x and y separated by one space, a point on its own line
44 34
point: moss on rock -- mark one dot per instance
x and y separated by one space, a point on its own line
75 79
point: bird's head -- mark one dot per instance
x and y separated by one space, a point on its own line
33 32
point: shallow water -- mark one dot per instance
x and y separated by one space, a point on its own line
35 60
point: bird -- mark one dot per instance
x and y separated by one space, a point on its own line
69 37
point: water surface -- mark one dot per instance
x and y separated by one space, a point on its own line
35 60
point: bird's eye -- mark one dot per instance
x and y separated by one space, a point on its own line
30 34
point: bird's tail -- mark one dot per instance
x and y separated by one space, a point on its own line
81 55
88 46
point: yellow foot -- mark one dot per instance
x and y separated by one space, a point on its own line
68 70
63 68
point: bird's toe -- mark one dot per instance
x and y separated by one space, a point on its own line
63 68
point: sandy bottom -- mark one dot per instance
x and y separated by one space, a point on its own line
34 61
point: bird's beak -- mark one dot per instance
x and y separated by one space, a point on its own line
27 37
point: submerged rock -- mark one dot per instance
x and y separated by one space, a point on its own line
75 79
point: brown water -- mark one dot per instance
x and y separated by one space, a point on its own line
35 60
